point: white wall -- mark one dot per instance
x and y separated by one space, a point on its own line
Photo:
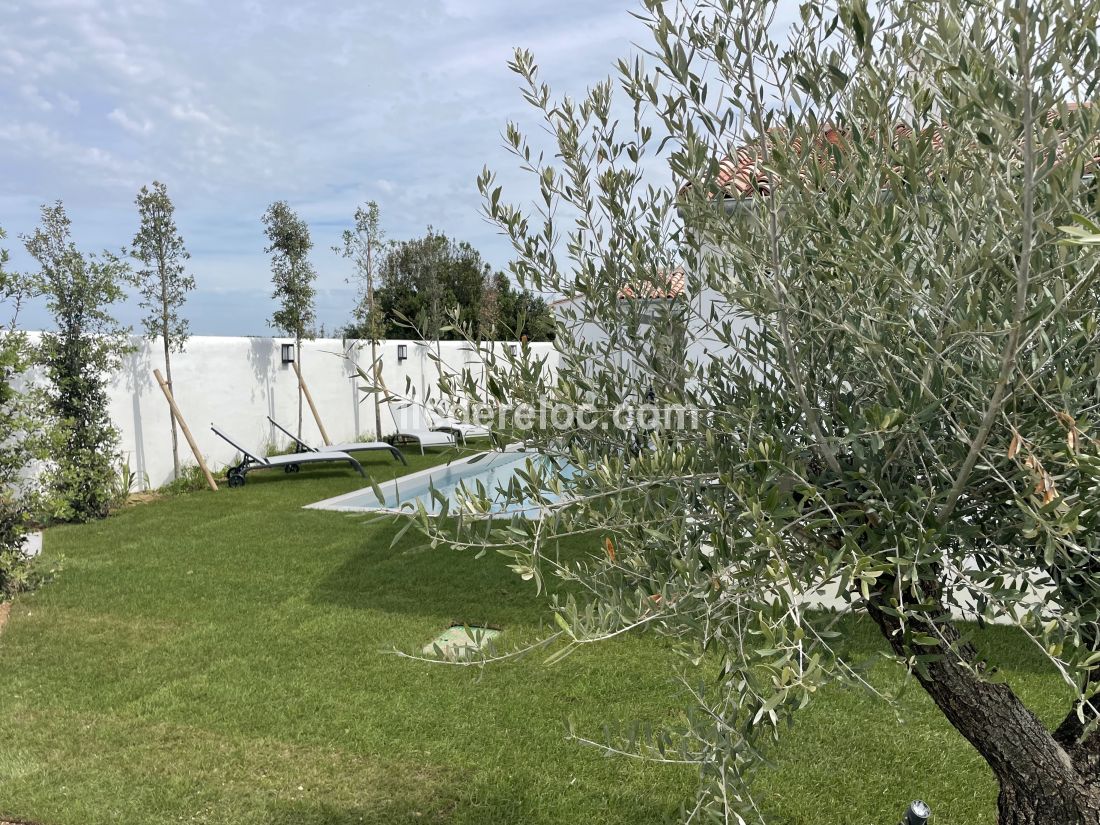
583 329
236 382
706 311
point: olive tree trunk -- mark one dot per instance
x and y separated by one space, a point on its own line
1046 777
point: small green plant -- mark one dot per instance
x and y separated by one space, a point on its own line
273 448
190 480
127 483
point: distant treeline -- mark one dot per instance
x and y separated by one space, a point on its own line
438 288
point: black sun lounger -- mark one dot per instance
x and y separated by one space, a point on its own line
290 463
347 447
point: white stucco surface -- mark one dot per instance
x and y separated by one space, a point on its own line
32 544
236 383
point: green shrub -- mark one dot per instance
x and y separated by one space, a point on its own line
14 571
19 425
77 359
191 479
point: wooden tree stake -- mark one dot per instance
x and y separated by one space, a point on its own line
186 430
312 406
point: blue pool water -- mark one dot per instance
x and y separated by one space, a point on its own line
493 471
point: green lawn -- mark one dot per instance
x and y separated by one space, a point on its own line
225 658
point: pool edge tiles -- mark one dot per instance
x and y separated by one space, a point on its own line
401 495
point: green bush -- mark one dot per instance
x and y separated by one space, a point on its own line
77 358
191 479
14 571
19 425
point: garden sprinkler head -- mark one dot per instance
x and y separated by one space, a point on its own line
918 813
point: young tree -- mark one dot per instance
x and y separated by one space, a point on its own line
362 246
78 358
162 281
18 427
892 350
293 276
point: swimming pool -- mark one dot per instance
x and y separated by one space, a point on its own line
490 474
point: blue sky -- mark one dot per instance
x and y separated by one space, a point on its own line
237 103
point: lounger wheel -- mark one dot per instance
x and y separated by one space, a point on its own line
291 468
236 478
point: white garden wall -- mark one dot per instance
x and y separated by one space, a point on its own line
236 382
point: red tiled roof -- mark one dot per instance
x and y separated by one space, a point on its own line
672 288
743 175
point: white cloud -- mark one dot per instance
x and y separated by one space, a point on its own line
69 105
138 126
326 103
30 94
12 60
551 45
36 140
190 112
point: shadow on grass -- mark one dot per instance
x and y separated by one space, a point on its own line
998 646
412 578
259 475
475 805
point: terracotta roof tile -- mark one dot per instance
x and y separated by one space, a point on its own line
673 288
742 174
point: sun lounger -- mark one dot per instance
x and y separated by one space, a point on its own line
418 418
419 433
346 447
290 463
459 429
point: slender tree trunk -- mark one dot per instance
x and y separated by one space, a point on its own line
298 356
373 333
1043 781
164 333
172 418
377 401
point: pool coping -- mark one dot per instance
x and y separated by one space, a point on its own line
408 508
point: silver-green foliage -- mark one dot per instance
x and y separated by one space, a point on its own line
363 246
162 280
895 353
292 275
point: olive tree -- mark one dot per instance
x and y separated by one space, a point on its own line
162 280
361 246
892 350
292 275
